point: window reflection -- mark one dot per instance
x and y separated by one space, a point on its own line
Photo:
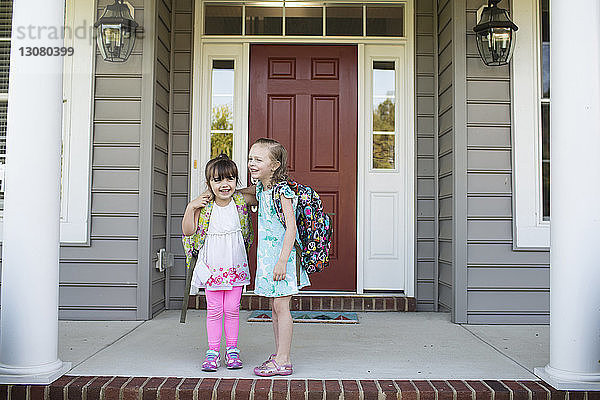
384 152
343 20
546 159
385 20
221 119
546 70
264 20
545 106
222 19
306 21
384 119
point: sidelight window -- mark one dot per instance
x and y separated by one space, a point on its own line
221 118
384 115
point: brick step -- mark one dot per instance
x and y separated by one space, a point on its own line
322 303
148 388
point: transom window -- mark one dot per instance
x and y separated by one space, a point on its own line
304 19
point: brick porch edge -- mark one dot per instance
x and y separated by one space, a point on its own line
145 388
322 303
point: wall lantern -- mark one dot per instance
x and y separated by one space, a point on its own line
495 34
116 31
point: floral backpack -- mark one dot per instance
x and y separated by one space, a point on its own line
314 225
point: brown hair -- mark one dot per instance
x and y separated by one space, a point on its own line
277 153
220 167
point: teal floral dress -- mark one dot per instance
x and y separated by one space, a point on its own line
270 242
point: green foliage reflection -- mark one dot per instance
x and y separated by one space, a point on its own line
383 117
383 151
384 145
221 121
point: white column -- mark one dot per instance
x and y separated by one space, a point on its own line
575 196
30 249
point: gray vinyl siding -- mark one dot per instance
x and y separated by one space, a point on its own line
503 285
426 219
160 166
101 280
180 132
445 154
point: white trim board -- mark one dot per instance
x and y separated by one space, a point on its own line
530 231
238 48
77 124
388 186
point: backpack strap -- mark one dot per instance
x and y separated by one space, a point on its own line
194 242
276 193
245 220
298 261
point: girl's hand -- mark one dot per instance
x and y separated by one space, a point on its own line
279 271
201 201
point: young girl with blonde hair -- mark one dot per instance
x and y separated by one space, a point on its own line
276 256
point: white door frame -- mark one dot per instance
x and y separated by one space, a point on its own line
396 184
238 48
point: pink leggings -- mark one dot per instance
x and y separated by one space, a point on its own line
219 303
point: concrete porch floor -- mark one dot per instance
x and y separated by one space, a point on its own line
384 345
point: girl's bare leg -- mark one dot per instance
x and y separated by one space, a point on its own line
275 324
281 307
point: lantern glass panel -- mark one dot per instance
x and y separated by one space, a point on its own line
495 45
116 32
115 42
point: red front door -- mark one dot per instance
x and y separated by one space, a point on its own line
305 97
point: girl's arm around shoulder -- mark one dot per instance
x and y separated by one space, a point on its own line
189 223
249 194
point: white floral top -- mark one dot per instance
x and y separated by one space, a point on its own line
270 243
223 251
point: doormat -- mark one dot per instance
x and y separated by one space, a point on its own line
331 317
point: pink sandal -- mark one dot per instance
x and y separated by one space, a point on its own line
272 356
271 368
